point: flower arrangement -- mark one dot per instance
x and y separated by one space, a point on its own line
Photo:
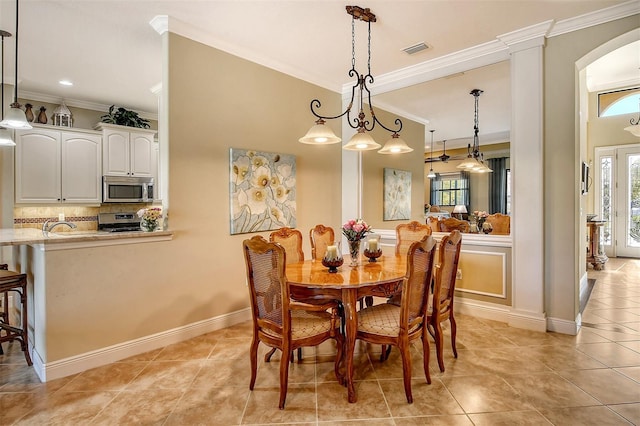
149 218
355 230
480 216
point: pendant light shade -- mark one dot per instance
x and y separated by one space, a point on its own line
5 138
361 141
395 145
635 129
320 134
15 118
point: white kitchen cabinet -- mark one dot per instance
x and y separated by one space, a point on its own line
127 151
58 166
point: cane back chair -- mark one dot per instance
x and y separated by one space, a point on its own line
278 321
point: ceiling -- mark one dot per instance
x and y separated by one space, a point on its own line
112 54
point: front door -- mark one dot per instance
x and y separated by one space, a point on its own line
628 203
618 199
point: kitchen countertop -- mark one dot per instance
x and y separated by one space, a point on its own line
27 236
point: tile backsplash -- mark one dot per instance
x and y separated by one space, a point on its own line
85 218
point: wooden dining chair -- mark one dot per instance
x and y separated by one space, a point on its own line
389 324
441 302
291 241
408 233
433 223
278 321
451 223
501 223
320 237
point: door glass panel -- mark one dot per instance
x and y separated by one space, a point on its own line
633 233
605 191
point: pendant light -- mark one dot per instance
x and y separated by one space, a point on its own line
634 129
431 174
5 134
362 140
474 162
15 118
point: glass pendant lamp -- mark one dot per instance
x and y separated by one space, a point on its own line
15 118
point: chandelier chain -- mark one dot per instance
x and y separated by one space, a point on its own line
353 42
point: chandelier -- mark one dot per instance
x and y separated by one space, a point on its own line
475 160
635 126
15 118
362 141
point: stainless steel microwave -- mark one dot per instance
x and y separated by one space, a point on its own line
121 189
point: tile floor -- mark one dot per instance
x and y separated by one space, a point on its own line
503 376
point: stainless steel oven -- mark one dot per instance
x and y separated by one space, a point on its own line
121 189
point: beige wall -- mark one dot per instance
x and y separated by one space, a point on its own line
218 101
563 234
374 165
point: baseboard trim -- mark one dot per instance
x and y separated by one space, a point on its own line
76 364
484 310
527 320
563 326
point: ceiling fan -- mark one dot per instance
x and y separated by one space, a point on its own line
444 157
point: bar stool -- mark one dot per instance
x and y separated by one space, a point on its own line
13 281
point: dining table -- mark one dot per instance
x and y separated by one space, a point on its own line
382 278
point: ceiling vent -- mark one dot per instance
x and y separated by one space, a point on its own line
415 48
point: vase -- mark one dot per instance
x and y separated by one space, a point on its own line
148 225
354 251
29 113
42 117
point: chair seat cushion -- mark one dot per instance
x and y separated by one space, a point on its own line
306 324
383 319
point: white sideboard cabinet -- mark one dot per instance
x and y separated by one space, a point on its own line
127 151
58 166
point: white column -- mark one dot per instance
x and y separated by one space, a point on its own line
527 164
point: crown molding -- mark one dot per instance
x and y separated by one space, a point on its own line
70 102
526 38
160 23
608 14
463 60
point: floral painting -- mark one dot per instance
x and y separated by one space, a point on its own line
397 194
262 191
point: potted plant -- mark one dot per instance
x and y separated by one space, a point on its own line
124 117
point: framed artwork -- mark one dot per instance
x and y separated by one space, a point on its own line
397 194
262 191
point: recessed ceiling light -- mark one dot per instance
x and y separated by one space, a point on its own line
65 83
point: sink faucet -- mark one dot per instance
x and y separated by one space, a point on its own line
48 228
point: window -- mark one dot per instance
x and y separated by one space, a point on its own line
450 189
618 103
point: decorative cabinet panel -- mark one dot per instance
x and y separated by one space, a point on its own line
126 151
55 166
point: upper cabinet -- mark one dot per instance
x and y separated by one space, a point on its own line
58 166
127 151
